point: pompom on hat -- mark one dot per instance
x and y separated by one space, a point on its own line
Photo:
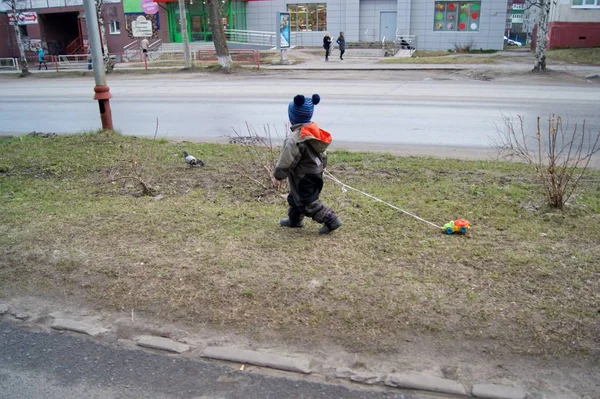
301 108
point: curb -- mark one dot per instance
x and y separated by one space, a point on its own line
90 325
231 354
425 382
160 343
77 326
493 391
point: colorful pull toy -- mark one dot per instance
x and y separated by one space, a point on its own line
457 226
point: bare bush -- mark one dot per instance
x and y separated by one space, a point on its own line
262 154
561 158
464 47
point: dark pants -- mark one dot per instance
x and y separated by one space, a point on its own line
342 51
315 210
327 50
43 61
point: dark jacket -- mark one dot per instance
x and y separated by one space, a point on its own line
302 161
341 43
326 42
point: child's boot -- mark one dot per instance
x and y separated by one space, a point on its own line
329 227
287 222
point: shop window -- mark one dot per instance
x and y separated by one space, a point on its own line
457 16
114 27
308 17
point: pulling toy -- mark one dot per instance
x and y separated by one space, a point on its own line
454 226
457 226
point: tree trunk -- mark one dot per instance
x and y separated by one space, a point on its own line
542 36
23 60
219 35
105 54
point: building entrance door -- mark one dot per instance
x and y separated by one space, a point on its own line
387 26
175 35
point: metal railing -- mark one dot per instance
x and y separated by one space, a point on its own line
261 38
9 64
407 42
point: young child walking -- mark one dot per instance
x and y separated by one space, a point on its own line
41 59
302 162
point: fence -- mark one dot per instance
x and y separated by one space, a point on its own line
9 64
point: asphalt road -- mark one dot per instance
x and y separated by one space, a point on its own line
431 111
37 365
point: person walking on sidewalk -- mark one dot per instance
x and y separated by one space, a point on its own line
327 45
302 162
144 46
42 58
341 41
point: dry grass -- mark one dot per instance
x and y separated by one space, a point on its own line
589 56
211 250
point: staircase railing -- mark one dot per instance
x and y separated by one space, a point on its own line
74 45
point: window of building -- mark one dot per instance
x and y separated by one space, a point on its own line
114 27
461 16
308 17
585 3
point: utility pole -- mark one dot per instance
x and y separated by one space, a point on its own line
101 89
184 34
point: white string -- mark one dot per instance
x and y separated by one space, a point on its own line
344 186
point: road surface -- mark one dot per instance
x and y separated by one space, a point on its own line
37 365
431 111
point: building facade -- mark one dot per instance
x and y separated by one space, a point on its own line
438 25
574 23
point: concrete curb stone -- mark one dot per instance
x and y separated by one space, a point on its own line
161 343
425 382
231 354
493 391
77 326
367 378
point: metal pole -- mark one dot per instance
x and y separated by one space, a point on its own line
184 34
101 89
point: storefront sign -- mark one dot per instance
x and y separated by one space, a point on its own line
284 30
141 27
149 7
24 18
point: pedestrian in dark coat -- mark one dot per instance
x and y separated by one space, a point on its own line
341 41
327 45
302 161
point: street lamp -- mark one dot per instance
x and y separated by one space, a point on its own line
101 89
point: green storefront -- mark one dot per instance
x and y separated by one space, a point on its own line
233 16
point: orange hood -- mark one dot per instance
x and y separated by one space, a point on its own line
319 138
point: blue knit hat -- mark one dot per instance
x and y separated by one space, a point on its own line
301 109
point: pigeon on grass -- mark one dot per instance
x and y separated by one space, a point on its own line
192 160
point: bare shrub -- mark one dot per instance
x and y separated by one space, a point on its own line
464 47
262 154
561 158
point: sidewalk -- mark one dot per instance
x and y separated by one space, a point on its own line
309 61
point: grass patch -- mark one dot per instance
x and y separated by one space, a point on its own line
211 249
446 59
589 56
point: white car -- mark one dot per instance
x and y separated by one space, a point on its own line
511 42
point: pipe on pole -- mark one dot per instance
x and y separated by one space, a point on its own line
101 89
